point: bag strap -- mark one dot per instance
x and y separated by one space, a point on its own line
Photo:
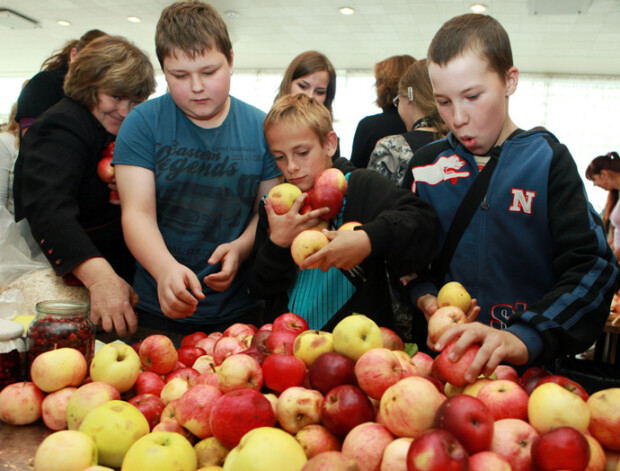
464 214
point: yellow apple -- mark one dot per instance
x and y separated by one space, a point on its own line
311 343
349 226
210 452
454 293
160 451
605 417
356 334
283 196
307 243
551 406
114 427
473 388
55 369
66 450
117 364
266 448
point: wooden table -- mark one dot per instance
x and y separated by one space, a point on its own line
18 444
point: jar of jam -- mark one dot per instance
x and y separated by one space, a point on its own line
61 324
12 347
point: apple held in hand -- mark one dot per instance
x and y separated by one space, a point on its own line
437 450
56 369
442 319
283 196
454 294
327 197
307 243
454 372
344 407
20 403
332 177
331 369
116 364
158 354
237 412
349 226
356 334
66 450
105 170
469 420
563 448
161 451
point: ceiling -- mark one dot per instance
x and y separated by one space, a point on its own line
563 36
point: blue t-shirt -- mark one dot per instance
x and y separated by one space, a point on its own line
206 184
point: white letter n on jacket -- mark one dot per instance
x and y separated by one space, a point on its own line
522 201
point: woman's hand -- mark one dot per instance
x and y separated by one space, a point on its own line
179 291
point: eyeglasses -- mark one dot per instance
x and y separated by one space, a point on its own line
396 100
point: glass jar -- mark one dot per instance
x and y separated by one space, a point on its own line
61 324
12 348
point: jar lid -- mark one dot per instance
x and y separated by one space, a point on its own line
10 330
62 307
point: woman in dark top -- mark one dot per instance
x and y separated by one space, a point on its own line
372 128
45 88
57 188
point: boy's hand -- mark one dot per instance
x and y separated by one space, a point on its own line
284 228
175 291
346 250
496 346
228 254
428 305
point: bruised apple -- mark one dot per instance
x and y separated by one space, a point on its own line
282 197
454 294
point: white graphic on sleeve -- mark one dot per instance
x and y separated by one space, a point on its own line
522 201
443 169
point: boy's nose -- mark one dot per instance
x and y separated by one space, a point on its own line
196 84
459 116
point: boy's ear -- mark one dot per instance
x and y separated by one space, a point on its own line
332 143
512 79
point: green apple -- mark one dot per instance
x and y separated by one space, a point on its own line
311 343
114 427
66 450
117 364
266 448
160 451
356 334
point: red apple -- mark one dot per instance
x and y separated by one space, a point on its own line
151 407
187 373
488 461
436 382
512 440
20 403
240 331
226 346
563 448
54 408
239 371
259 339
204 364
108 151
344 407
136 347
531 377
391 340
281 371
315 439
191 339
507 372
378 369
332 177
437 450
149 382
209 377
453 372
331 369
566 383
237 412
331 461
173 426
442 319
505 399
291 321
158 354
193 409
423 362
327 196
281 341
255 352
297 407
366 443
188 355
206 344
105 170
469 420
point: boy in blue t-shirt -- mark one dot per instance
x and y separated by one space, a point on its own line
191 166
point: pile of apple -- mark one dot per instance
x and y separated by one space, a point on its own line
285 398
330 187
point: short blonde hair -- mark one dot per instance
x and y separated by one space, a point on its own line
191 27
112 65
300 110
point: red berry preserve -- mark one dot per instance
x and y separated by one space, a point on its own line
12 347
61 324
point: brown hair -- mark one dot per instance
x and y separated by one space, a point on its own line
191 27
387 75
416 77
610 161
62 57
308 63
113 65
473 32
300 110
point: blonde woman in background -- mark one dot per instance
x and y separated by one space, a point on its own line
416 107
